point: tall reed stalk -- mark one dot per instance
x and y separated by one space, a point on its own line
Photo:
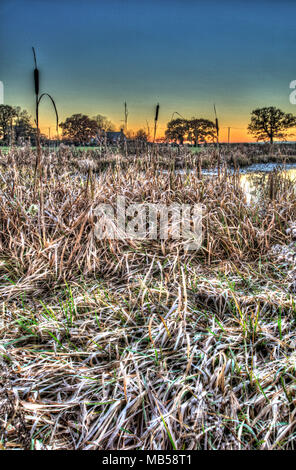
155 120
217 137
37 103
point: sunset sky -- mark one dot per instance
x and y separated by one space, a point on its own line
186 55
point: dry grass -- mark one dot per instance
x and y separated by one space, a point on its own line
140 344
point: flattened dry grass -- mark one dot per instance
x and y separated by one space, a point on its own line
139 344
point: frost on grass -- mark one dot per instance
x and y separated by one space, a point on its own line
286 256
140 344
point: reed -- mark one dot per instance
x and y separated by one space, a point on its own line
155 121
36 87
217 137
38 99
138 344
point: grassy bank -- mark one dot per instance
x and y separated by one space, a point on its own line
233 155
139 344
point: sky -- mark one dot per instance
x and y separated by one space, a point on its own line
94 55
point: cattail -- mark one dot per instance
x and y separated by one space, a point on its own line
156 112
217 124
218 150
36 74
155 120
38 100
54 107
36 85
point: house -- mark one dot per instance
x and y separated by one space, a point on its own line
113 138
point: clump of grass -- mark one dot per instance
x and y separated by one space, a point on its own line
140 344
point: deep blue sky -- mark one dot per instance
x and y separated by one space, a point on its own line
94 55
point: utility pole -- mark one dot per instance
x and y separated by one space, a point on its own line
49 133
228 135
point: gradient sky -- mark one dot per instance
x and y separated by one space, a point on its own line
94 55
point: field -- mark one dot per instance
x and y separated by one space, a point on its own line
140 344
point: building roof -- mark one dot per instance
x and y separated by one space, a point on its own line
114 135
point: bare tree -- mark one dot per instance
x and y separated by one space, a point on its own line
270 123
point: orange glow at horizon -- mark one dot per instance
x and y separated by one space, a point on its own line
238 131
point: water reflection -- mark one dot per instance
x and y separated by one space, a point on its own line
254 177
252 182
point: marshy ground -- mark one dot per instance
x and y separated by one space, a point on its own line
138 344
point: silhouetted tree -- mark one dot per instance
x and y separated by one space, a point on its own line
7 115
176 130
79 128
141 135
201 130
270 123
23 128
17 121
103 123
195 130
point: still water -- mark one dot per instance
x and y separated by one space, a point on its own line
254 174
251 175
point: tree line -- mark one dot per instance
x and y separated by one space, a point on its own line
268 123
16 126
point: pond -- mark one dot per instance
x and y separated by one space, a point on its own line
253 175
